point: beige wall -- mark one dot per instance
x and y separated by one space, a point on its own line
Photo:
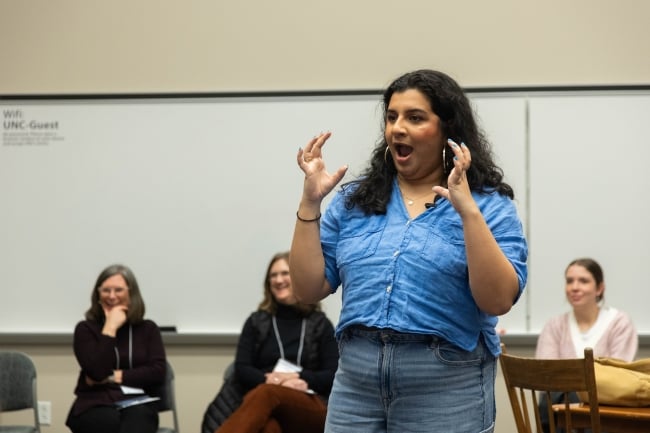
90 46
198 370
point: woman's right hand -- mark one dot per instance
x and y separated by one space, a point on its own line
277 378
318 182
296 383
115 318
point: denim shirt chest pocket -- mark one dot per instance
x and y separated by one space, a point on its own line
359 238
444 248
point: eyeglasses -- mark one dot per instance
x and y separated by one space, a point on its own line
106 291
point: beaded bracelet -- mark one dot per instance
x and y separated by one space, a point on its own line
306 220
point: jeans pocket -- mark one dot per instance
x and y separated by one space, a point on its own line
452 355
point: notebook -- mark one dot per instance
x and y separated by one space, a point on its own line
141 399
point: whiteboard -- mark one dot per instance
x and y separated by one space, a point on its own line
589 184
196 194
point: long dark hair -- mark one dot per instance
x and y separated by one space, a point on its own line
136 309
451 105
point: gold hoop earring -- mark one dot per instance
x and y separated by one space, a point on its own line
444 160
386 154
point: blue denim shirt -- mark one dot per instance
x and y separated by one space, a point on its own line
411 275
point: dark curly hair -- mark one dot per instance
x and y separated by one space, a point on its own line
451 105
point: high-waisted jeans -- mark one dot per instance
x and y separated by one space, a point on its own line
390 382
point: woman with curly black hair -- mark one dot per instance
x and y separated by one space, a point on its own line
428 250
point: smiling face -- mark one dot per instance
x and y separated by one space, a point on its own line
113 292
414 136
582 290
280 282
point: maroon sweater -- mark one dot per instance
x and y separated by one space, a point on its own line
97 357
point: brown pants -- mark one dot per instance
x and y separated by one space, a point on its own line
277 409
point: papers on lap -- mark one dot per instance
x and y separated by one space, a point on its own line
131 390
141 399
284 366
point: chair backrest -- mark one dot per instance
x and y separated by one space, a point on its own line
18 384
525 378
229 371
227 400
168 400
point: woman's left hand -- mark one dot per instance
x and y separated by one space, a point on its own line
296 383
458 191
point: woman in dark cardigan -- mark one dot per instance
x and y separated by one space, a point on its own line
258 397
116 348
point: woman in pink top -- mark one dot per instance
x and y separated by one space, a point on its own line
608 331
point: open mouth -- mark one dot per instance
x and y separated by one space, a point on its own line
403 150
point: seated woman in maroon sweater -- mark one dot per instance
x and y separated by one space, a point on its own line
117 350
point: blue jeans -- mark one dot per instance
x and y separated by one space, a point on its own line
389 382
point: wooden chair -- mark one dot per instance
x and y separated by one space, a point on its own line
526 378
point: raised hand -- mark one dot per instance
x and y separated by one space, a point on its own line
458 191
318 182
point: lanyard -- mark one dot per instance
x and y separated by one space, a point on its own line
280 346
117 354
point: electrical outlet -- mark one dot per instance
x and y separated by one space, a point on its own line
45 412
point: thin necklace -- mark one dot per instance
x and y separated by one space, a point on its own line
410 201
